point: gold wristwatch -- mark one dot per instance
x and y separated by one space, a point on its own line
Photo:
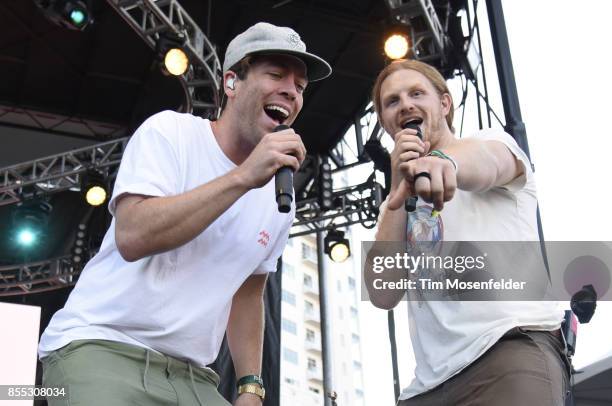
253 388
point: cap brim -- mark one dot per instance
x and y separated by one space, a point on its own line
316 68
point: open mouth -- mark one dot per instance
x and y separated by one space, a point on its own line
276 113
413 122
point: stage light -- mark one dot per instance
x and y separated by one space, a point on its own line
172 54
396 46
72 14
336 246
78 250
29 222
78 17
94 188
325 187
95 195
176 61
26 237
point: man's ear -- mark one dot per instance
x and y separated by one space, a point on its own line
446 101
229 83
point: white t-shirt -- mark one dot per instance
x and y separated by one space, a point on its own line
447 336
177 302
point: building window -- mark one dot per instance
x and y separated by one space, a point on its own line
290 242
340 313
289 326
290 381
288 297
339 284
288 270
312 364
309 253
314 390
354 312
307 280
310 335
308 307
355 338
359 393
290 355
357 365
351 283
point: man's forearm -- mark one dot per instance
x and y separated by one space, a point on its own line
483 164
157 224
246 325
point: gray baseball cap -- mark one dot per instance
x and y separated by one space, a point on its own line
264 38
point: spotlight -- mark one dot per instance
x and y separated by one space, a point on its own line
93 187
171 51
396 46
26 237
325 187
176 61
30 221
336 246
72 14
78 250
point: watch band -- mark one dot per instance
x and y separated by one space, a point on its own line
252 388
250 379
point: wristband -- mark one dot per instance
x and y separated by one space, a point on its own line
255 379
440 154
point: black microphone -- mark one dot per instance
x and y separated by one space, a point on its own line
284 182
411 202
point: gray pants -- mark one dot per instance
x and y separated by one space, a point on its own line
523 368
100 372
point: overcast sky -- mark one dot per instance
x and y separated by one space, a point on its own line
562 63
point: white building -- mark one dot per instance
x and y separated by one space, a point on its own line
301 356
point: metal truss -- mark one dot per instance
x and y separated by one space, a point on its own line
355 204
59 172
59 124
429 38
38 277
149 18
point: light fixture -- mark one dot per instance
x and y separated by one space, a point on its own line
325 186
171 51
336 246
397 46
93 187
176 61
30 221
78 250
72 14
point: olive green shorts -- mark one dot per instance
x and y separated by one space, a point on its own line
100 372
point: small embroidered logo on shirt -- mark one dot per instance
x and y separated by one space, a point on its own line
264 238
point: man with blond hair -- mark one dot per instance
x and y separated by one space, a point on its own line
478 188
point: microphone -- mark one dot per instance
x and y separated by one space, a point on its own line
411 202
284 182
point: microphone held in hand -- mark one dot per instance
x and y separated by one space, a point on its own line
284 182
411 202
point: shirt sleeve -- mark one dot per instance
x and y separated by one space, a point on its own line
149 165
526 179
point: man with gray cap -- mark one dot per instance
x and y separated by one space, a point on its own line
195 231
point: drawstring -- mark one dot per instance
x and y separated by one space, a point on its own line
144 377
193 384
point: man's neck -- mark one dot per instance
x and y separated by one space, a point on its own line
228 137
444 139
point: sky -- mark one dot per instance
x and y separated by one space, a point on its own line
562 75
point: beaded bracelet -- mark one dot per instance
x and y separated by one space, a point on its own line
440 154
